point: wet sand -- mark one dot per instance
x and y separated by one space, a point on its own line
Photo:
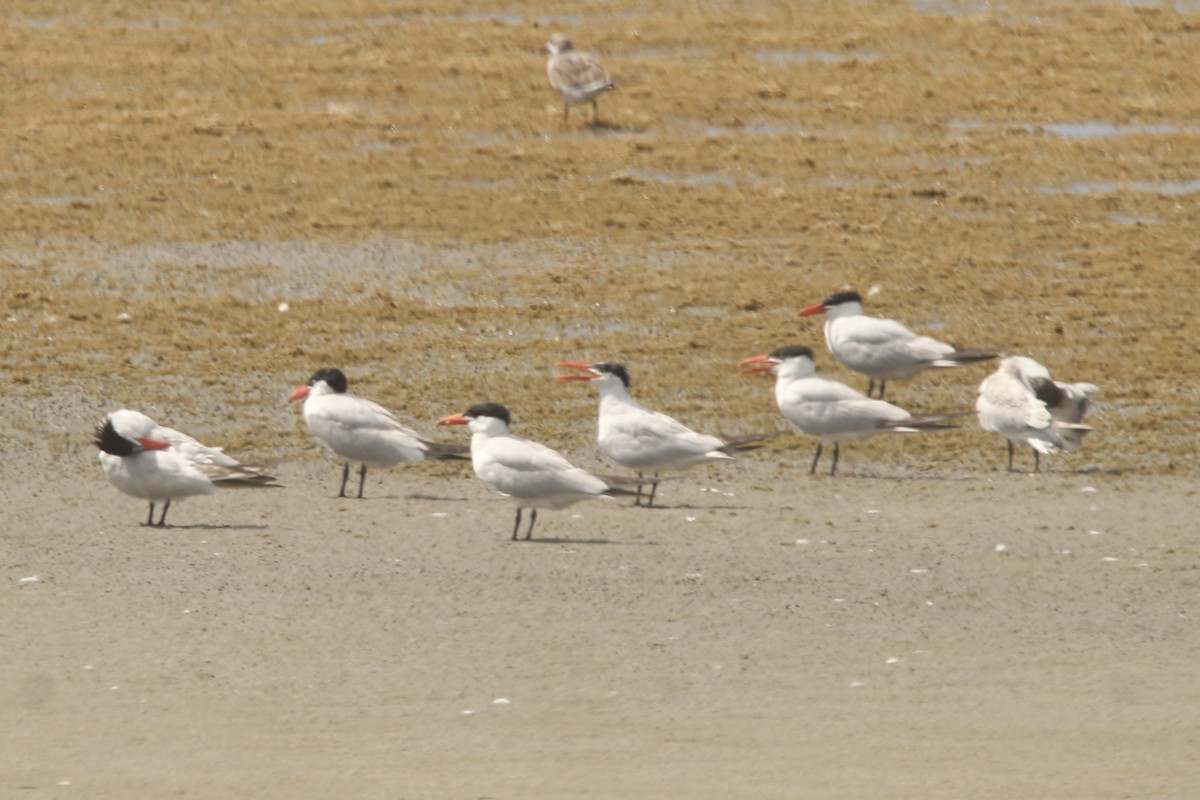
263 191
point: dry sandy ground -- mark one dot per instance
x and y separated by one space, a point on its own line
766 634
263 189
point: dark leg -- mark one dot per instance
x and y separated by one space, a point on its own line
833 469
532 519
812 470
362 479
637 501
653 490
1037 461
1010 456
150 519
517 524
882 386
345 477
162 521
870 386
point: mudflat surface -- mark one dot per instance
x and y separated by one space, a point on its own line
206 204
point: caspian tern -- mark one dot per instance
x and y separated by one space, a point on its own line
828 410
637 438
577 76
144 459
883 349
360 430
532 475
1022 403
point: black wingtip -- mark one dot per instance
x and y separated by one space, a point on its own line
972 355
742 444
248 482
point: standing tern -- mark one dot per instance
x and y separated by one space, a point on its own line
828 410
359 430
576 75
144 459
883 349
637 438
1022 403
530 474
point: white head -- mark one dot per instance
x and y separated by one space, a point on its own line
1024 368
324 381
785 363
131 424
607 376
841 304
127 433
492 419
558 44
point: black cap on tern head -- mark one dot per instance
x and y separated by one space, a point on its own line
334 377
838 298
614 369
111 442
489 410
792 351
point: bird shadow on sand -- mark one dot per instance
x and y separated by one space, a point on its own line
690 507
856 476
562 540
1111 471
421 497
205 526
967 478
600 126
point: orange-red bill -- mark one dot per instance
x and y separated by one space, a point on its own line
761 363
579 365
453 419
817 308
299 393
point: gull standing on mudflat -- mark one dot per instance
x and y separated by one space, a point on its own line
146 460
530 474
638 438
883 349
1022 403
359 430
829 410
577 76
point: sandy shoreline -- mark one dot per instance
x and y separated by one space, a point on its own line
987 635
207 203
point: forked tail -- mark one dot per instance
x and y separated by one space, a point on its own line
970 355
929 422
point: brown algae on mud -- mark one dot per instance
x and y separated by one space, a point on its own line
402 180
